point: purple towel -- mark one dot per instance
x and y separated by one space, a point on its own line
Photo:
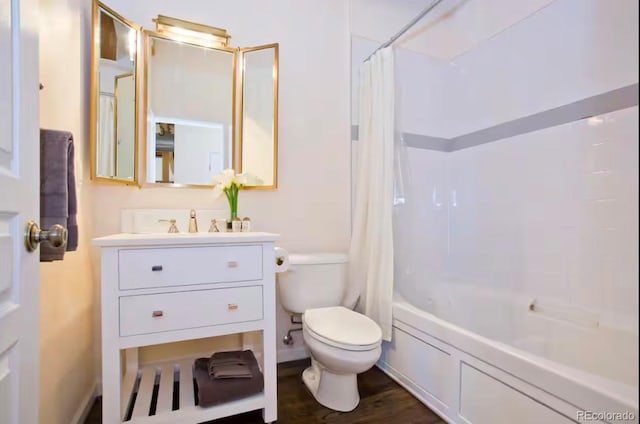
58 201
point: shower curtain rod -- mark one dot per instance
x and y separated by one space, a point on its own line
406 28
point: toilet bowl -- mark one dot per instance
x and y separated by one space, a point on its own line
342 343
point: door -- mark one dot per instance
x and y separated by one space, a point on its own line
19 202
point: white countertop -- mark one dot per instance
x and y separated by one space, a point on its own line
178 239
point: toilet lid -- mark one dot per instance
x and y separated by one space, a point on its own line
343 326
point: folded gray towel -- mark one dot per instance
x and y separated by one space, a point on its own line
220 359
231 371
225 361
213 391
231 356
224 364
58 201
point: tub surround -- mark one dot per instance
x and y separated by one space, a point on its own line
468 378
520 188
164 288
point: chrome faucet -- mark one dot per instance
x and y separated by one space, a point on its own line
193 223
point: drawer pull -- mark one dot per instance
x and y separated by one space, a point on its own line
156 268
232 264
232 306
157 314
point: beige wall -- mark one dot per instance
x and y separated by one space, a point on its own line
67 316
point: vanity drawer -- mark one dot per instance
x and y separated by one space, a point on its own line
146 268
155 313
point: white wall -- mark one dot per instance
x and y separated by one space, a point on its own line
450 29
570 50
549 214
310 209
567 51
423 89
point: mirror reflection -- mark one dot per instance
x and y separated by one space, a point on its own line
115 117
259 130
190 103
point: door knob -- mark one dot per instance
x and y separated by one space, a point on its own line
33 235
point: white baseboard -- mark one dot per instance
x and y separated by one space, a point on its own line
292 354
85 406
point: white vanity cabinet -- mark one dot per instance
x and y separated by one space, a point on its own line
162 288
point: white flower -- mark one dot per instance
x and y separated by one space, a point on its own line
224 181
249 179
225 178
217 191
228 178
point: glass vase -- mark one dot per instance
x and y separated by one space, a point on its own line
232 197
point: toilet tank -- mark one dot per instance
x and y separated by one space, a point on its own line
313 281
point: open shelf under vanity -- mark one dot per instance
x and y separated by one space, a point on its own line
166 392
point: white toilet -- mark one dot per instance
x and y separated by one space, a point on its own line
342 342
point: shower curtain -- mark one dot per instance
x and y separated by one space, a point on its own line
106 166
371 250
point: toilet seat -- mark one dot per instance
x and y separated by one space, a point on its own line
342 328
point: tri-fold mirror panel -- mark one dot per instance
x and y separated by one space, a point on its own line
259 113
189 110
205 106
114 96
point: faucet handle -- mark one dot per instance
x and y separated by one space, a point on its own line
173 228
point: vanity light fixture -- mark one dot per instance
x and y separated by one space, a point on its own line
192 32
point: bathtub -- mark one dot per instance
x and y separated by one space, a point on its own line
506 360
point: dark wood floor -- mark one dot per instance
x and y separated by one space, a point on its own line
382 401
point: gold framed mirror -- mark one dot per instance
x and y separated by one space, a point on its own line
258 115
187 119
114 96
188 109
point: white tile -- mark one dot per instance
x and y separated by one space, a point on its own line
531 217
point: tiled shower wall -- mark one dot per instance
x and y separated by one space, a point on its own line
550 214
